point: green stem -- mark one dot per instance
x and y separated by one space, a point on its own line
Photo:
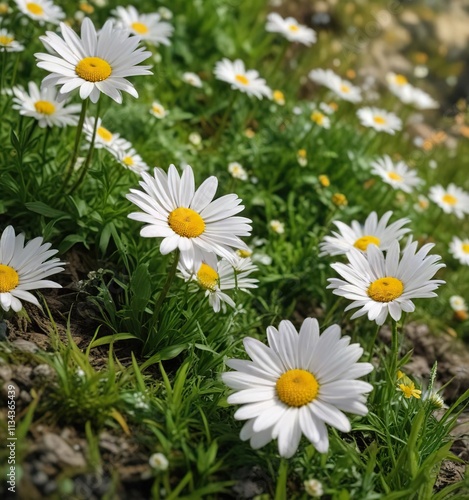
15 70
280 58
73 160
44 144
373 341
89 156
224 120
281 488
394 352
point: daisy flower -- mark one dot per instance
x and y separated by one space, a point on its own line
148 27
457 303
290 29
192 79
277 226
104 138
320 119
94 63
398 175
130 159
43 11
158 110
374 231
247 81
8 42
186 218
237 171
453 200
459 249
380 120
342 88
381 285
214 277
278 97
297 385
24 267
42 104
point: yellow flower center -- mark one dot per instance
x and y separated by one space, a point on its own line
385 289
140 28
410 391
465 247
302 153
278 96
345 88
400 80
207 277
5 39
324 180
449 199
297 387
44 107
244 254
157 109
339 199
104 134
9 278
293 27
379 120
363 242
35 9
128 160
93 69
318 117
394 176
86 8
186 222
242 79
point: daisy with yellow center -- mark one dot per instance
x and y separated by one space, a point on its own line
44 105
8 42
290 29
380 120
215 277
296 385
192 79
320 119
397 175
453 200
94 63
187 218
158 110
278 97
237 171
459 249
380 285
410 391
129 159
373 231
342 88
148 27
247 81
23 268
324 180
104 137
302 157
44 11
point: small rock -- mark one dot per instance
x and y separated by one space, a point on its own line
63 451
25 397
5 389
5 373
25 345
43 372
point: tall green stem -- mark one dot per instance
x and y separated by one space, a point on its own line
394 352
73 160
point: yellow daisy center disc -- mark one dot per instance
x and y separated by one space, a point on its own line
345 88
35 8
297 387
400 80
395 177
44 107
186 222
207 277
104 134
158 110
293 27
93 69
363 242
242 79
450 199
128 160
140 28
385 289
5 40
9 278
379 120
317 117
465 247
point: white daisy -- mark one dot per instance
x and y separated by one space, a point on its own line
247 81
8 42
374 231
297 385
342 88
42 104
409 94
188 219
94 63
104 138
398 175
148 27
24 268
215 276
277 226
278 97
380 120
131 160
459 249
320 119
158 110
192 79
379 285
43 11
237 171
453 200
290 29
457 303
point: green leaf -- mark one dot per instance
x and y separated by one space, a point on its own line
140 287
45 210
